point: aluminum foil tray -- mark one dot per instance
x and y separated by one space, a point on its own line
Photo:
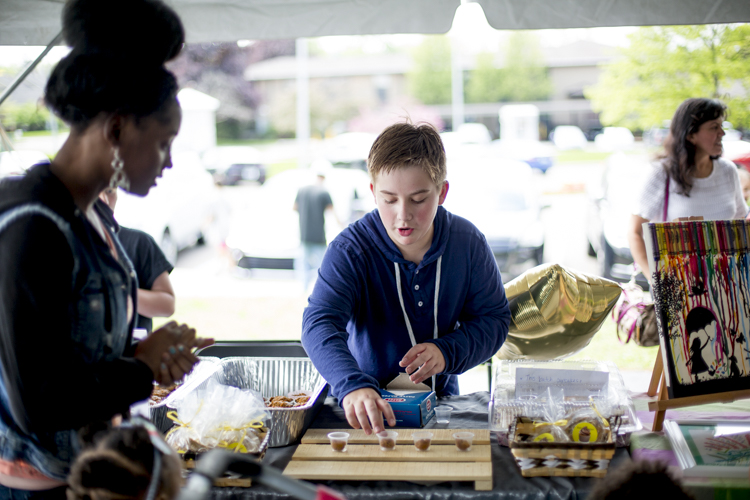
157 413
276 377
505 405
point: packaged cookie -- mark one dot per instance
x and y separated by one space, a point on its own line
587 426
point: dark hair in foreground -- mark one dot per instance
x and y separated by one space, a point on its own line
679 153
119 466
641 479
406 145
116 64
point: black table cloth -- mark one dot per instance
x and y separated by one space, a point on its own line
469 412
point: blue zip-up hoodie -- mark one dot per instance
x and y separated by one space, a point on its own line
354 330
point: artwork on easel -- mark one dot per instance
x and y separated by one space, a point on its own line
701 289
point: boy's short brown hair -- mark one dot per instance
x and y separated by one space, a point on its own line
407 145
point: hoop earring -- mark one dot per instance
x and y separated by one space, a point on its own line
119 178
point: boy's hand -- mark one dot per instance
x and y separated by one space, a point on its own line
364 407
422 362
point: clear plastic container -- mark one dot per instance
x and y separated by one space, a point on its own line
506 403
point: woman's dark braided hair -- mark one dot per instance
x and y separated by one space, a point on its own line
119 466
116 64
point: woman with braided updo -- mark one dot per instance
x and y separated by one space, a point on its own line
67 289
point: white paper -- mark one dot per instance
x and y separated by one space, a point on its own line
402 384
536 381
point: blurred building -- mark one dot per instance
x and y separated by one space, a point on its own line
380 80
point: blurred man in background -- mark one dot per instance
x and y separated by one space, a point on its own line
312 203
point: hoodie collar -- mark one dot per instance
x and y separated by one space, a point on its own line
379 235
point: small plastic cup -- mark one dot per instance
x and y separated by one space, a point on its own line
387 440
338 440
443 414
422 440
463 440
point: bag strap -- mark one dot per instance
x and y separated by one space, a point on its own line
28 209
666 199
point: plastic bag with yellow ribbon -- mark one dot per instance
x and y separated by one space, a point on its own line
218 416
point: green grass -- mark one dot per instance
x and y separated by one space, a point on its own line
43 133
243 142
280 166
605 346
280 318
580 156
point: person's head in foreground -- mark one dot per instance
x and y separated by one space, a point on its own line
407 169
115 93
695 135
640 479
128 462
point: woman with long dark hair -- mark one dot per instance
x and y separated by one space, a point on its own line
691 180
67 289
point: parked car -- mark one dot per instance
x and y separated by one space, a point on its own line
349 150
655 136
538 155
182 210
500 197
231 165
737 151
611 202
566 137
18 161
614 139
265 233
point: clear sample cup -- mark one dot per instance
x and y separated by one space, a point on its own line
387 440
443 414
338 440
464 440
422 440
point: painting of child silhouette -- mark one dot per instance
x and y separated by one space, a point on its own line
701 327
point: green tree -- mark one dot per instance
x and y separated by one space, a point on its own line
523 77
28 116
430 77
484 82
663 66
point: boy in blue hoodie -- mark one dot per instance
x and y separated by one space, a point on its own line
409 287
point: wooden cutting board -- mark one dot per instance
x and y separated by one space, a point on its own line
364 461
358 436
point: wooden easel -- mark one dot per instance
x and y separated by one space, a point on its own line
663 403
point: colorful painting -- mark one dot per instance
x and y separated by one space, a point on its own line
710 449
701 290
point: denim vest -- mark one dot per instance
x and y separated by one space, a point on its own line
100 328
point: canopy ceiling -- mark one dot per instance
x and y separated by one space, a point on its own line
37 22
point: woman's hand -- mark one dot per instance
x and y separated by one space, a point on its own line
168 351
365 410
422 362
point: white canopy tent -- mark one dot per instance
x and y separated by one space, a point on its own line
37 22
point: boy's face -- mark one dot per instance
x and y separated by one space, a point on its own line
407 202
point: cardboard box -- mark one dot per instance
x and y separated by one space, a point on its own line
411 410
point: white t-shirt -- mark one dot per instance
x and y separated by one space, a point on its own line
716 197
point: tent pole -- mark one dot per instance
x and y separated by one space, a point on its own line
29 69
303 103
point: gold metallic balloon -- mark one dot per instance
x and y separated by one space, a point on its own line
555 312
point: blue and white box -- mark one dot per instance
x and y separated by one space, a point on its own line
413 409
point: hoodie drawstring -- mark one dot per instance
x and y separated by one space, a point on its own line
403 309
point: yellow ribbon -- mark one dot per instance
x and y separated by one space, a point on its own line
605 422
559 423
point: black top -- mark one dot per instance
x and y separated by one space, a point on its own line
51 382
312 202
148 260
